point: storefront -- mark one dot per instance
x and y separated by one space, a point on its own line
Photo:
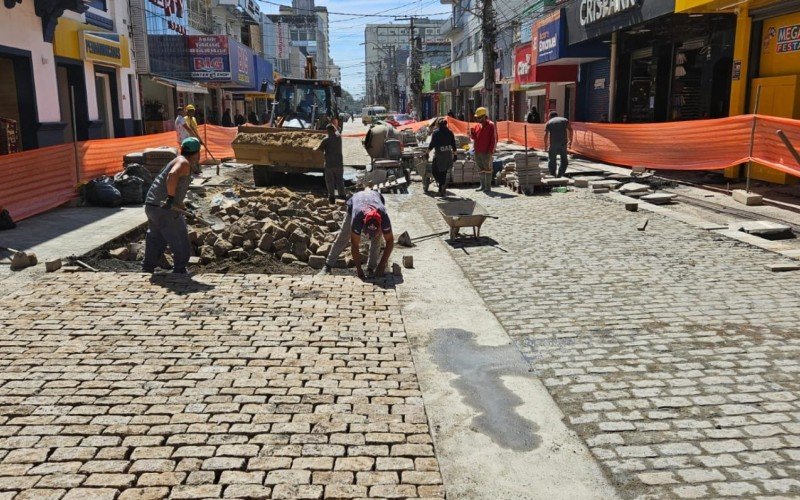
766 56
95 82
526 94
664 67
220 62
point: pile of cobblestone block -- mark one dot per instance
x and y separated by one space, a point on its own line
293 227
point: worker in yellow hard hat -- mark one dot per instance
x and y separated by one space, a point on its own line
484 137
191 121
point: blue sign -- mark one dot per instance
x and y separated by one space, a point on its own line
549 42
264 81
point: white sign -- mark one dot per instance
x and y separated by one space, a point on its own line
600 83
596 10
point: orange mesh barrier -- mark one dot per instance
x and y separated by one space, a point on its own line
769 150
37 180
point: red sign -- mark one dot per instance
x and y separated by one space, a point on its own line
524 65
170 6
208 45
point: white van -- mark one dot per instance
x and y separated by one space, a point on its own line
370 114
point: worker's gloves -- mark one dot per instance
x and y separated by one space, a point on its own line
168 204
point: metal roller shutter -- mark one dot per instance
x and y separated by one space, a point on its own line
597 82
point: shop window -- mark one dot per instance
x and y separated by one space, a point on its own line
98 4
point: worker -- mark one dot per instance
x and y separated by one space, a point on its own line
484 136
182 130
331 146
366 213
191 122
227 121
557 140
164 208
533 116
443 144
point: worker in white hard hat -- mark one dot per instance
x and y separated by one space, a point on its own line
484 137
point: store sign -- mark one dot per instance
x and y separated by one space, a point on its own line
596 10
171 7
788 39
101 47
737 70
177 28
209 56
523 65
282 40
548 37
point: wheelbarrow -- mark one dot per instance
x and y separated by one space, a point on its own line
464 213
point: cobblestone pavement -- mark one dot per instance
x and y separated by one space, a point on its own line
673 352
234 386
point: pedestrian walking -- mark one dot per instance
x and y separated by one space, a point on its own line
557 140
331 146
365 215
484 137
166 225
443 144
182 130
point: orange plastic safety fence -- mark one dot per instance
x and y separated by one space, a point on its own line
35 181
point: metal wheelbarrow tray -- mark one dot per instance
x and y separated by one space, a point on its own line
463 213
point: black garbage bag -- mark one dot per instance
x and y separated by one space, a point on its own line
136 170
130 187
6 222
101 192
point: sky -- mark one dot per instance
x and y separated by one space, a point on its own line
347 31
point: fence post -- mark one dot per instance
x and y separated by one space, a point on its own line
752 139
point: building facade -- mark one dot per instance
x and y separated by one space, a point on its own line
300 31
67 73
386 53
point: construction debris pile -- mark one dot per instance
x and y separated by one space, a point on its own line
291 226
244 223
280 139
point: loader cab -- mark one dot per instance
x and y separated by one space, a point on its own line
303 103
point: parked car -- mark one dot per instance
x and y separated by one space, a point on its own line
399 120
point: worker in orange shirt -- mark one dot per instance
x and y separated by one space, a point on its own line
484 137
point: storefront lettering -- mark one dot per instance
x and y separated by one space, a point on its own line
208 64
788 39
170 7
548 44
176 27
103 50
596 10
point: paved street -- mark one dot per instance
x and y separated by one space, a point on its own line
231 386
672 352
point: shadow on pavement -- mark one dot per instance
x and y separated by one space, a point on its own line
180 284
469 242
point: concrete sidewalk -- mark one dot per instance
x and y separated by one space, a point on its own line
61 233
497 431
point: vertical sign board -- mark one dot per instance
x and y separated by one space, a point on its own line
282 40
209 56
241 63
549 37
524 65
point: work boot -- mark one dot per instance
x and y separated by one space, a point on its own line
480 176
326 270
332 200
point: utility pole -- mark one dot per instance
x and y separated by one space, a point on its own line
489 37
415 78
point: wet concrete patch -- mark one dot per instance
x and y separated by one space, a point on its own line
480 370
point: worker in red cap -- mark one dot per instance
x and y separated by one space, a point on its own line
366 215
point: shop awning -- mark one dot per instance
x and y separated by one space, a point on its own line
478 86
181 85
468 80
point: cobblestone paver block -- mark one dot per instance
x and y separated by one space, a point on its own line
115 386
673 351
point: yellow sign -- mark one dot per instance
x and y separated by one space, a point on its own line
73 41
101 47
780 46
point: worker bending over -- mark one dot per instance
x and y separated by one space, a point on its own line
443 144
366 214
164 208
484 136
